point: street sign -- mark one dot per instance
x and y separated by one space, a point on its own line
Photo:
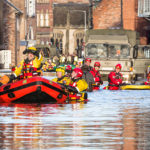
23 43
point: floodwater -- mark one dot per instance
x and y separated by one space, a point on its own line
110 120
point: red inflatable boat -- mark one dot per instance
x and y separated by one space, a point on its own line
32 90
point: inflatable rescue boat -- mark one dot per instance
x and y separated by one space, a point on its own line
32 90
135 87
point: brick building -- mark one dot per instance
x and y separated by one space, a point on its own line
116 14
43 22
58 22
11 22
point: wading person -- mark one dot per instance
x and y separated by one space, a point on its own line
87 64
68 71
96 76
61 78
148 79
115 78
86 68
77 84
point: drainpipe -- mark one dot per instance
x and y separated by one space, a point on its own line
91 15
16 38
121 14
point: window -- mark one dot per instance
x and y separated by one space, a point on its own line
143 8
31 36
46 19
30 8
38 19
105 51
41 20
96 50
144 52
42 1
118 51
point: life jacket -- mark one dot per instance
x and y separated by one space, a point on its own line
29 70
96 75
115 79
63 80
74 83
80 84
80 96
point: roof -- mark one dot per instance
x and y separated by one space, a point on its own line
12 5
112 39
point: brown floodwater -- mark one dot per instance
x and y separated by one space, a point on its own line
110 120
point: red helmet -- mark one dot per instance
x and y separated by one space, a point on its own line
97 64
88 59
79 72
118 66
68 68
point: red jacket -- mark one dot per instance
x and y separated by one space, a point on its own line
147 83
96 75
115 79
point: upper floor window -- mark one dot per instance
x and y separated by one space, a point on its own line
143 8
31 35
43 19
42 1
30 4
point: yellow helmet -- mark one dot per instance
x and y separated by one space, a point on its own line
61 69
31 50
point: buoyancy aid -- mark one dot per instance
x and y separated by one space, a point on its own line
114 79
97 76
80 84
27 69
63 80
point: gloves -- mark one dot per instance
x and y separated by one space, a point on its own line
11 78
71 89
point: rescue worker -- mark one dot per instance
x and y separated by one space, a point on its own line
55 60
96 75
61 78
87 63
78 84
148 80
75 60
29 67
69 59
68 71
49 65
148 76
62 59
86 68
115 78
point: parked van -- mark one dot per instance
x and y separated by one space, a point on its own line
111 47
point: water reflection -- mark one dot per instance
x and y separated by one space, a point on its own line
119 122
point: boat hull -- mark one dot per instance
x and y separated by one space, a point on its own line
135 87
32 90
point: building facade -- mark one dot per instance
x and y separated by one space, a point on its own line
10 25
71 20
117 14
